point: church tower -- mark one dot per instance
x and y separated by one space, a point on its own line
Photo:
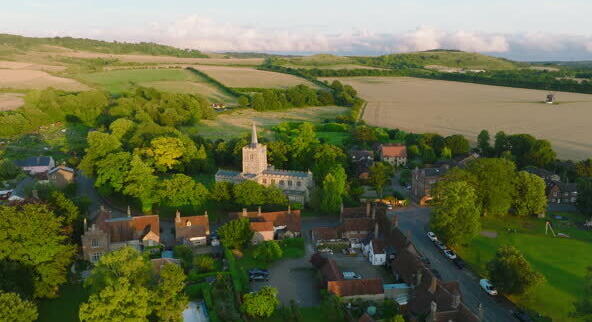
254 155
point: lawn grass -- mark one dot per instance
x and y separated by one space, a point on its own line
334 138
65 307
562 261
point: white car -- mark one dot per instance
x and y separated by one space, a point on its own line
488 287
351 276
432 236
449 254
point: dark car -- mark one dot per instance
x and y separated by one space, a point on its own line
521 316
459 263
258 271
258 277
436 273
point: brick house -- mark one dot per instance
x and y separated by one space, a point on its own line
272 225
423 181
563 193
192 230
364 289
61 176
361 161
109 234
394 154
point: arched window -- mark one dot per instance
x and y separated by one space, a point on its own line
252 156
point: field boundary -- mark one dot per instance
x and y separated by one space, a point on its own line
215 82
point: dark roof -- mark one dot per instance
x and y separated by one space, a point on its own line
366 318
227 173
543 173
407 265
290 219
324 233
355 212
566 187
378 246
356 287
191 226
38 161
327 267
358 155
290 173
128 228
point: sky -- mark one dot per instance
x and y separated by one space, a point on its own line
518 29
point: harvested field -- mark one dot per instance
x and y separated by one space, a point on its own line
193 87
233 124
339 66
34 79
166 59
422 105
29 66
11 101
250 77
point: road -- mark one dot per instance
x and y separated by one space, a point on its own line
413 224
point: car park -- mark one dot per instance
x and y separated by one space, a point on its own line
449 253
440 245
488 287
432 236
326 251
351 276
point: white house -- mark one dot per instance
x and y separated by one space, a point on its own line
375 252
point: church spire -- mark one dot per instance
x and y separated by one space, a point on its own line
254 135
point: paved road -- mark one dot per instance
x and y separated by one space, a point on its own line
85 187
413 224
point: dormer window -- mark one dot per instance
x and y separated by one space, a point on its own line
188 223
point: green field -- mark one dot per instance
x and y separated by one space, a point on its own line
171 80
562 261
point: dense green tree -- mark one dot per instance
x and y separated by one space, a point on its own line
584 201
583 168
529 194
249 193
8 170
494 184
277 154
180 190
364 135
332 308
121 128
99 146
483 142
301 145
260 304
167 153
511 273
15 309
446 153
243 101
268 252
583 307
380 176
169 300
541 154
39 244
185 254
501 143
333 190
113 169
118 303
222 191
456 212
204 263
141 183
326 157
275 196
113 268
235 233
428 155
458 144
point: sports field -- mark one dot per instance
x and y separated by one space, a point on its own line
444 107
252 78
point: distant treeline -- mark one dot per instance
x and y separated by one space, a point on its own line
25 43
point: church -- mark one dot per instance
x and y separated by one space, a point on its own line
295 184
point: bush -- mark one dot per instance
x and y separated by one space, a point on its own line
195 291
204 263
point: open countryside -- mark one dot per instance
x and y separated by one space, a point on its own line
445 107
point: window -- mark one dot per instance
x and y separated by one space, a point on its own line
264 181
251 157
298 183
281 182
94 243
290 183
95 257
272 181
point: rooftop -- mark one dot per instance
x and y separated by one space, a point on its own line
394 150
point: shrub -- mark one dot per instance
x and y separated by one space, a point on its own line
204 263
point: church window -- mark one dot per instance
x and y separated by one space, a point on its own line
289 183
94 243
251 157
281 182
298 183
272 181
264 181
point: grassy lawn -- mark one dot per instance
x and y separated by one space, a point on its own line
335 138
65 307
561 260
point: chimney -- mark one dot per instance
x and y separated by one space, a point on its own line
289 209
129 211
245 212
455 300
178 216
375 230
206 213
367 208
35 193
85 225
102 208
374 211
259 211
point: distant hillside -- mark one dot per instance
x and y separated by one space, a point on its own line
147 48
440 58
314 60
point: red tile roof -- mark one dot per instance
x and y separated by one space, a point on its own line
192 226
356 287
289 219
357 224
394 151
261 226
327 267
324 233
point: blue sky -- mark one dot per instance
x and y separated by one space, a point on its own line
522 29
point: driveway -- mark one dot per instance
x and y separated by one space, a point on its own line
296 279
414 223
359 264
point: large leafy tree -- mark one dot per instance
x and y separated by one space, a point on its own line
125 264
119 303
483 142
268 251
113 169
456 215
333 190
15 309
511 273
493 183
40 244
260 304
584 201
380 175
99 146
169 299
141 183
584 168
167 152
249 193
529 197
326 157
458 144
181 190
235 233
222 191
121 128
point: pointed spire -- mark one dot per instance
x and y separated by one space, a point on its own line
254 135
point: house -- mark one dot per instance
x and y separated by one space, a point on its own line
327 268
549 177
192 230
5 194
375 251
158 263
36 165
361 161
423 181
295 184
262 231
278 224
394 154
364 289
563 193
61 176
356 225
108 234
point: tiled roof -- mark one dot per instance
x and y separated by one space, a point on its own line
324 233
327 267
128 228
191 226
289 219
355 212
290 173
357 224
394 150
61 167
38 161
356 287
366 318
261 226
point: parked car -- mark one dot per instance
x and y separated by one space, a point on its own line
389 207
351 276
432 236
521 316
488 287
449 253
258 277
459 263
349 251
258 271
440 245
326 251
436 273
